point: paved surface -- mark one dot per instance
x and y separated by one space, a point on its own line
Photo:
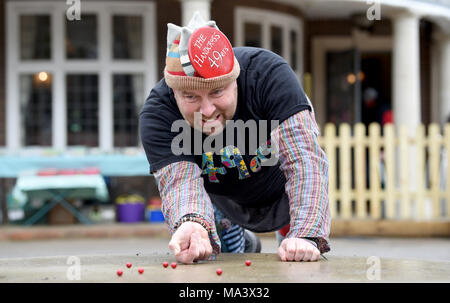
41 254
426 249
264 268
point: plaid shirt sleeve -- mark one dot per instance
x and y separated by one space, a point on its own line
182 192
305 166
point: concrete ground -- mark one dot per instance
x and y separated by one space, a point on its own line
264 268
426 249
351 260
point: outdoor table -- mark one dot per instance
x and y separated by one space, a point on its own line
61 187
57 189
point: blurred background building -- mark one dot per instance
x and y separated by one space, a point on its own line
78 85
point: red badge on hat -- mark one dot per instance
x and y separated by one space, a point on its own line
210 52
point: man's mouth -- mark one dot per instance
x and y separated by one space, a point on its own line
211 120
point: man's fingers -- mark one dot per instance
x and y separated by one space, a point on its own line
206 249
316 255
175 247
308 253
300 252
201 252
297 250
290 250
190 242
201 248
194 248
189 253
209 249
282 253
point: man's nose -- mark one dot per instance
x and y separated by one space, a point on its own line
207 108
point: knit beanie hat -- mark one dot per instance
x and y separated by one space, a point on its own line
199 56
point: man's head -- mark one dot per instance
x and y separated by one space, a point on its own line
225 223
208 110
370 96
201 70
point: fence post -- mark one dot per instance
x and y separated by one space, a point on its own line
360 170
447 152
389 164
404 171
374 158
435 176
345 170
421 168
329 145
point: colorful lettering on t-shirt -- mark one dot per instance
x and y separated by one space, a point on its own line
208 167
255 164
263 151
231 157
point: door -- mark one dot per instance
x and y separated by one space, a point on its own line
343 87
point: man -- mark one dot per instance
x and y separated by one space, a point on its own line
209 86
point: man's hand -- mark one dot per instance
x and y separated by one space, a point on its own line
295 249
190 243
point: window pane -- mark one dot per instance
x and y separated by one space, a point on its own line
82 109
81 38
127 33
276 43
128 99
36 108
253 34
294 50
35 37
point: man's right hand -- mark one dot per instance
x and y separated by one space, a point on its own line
190 243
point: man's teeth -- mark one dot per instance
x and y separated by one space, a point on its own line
211 120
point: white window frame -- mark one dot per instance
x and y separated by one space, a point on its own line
104 66
267 19
320 46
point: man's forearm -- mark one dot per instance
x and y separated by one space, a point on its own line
306 169
182 193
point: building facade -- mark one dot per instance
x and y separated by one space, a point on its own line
76 73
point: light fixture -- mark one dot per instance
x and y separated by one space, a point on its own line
351 78
43 76
361 76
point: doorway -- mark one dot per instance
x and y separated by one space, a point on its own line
358 86
376 84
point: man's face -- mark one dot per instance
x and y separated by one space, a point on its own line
226 224
212 107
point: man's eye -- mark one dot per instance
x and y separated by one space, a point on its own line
217 91
189 97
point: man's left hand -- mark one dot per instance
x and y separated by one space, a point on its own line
295 249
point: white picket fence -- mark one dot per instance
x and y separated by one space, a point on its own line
390 192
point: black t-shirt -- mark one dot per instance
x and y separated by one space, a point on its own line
249 194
